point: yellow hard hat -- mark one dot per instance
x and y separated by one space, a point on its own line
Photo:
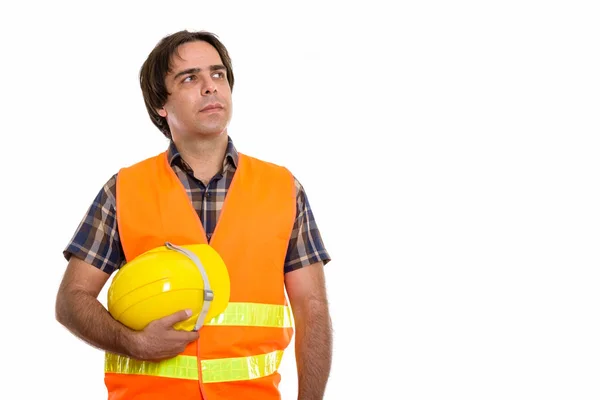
169 279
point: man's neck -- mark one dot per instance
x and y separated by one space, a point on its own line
204 156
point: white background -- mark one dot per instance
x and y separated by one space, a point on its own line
449 151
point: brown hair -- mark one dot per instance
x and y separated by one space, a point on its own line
158 65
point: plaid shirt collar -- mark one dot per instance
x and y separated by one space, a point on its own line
230 160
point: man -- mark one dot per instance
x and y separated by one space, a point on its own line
266 234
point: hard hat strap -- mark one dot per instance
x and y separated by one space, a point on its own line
208 293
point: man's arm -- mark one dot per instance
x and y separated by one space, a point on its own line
308 298
94 253
78 309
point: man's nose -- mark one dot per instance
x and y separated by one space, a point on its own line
208 86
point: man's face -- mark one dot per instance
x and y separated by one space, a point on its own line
199 103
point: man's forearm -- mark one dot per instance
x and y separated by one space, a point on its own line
86 318
313 350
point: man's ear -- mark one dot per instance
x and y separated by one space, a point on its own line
162 112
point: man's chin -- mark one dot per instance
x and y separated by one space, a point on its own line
213 131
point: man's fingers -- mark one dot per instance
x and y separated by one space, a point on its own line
191 336
174 318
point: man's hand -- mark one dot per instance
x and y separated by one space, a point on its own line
159 340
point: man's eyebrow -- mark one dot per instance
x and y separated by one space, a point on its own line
188 71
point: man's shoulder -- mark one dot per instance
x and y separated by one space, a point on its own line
275 167
141 169
144 162
109 189
253 160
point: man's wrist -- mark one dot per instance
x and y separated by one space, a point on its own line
130 343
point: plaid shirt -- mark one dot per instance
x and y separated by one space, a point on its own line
96 240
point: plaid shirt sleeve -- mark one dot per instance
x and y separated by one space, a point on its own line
306 246
96 240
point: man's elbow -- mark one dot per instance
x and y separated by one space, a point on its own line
314 312
63 306
59 308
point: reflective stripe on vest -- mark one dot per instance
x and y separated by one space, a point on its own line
254 314
186 367
217 370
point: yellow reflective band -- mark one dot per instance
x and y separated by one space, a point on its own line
181 367
240 368
186 367
254 314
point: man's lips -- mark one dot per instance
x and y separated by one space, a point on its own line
211 107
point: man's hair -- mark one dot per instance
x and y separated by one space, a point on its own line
159 64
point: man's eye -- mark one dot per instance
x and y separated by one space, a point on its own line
218 75
189 78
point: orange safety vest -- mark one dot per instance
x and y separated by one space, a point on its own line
239 351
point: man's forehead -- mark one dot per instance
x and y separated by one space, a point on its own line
193 57
196 52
